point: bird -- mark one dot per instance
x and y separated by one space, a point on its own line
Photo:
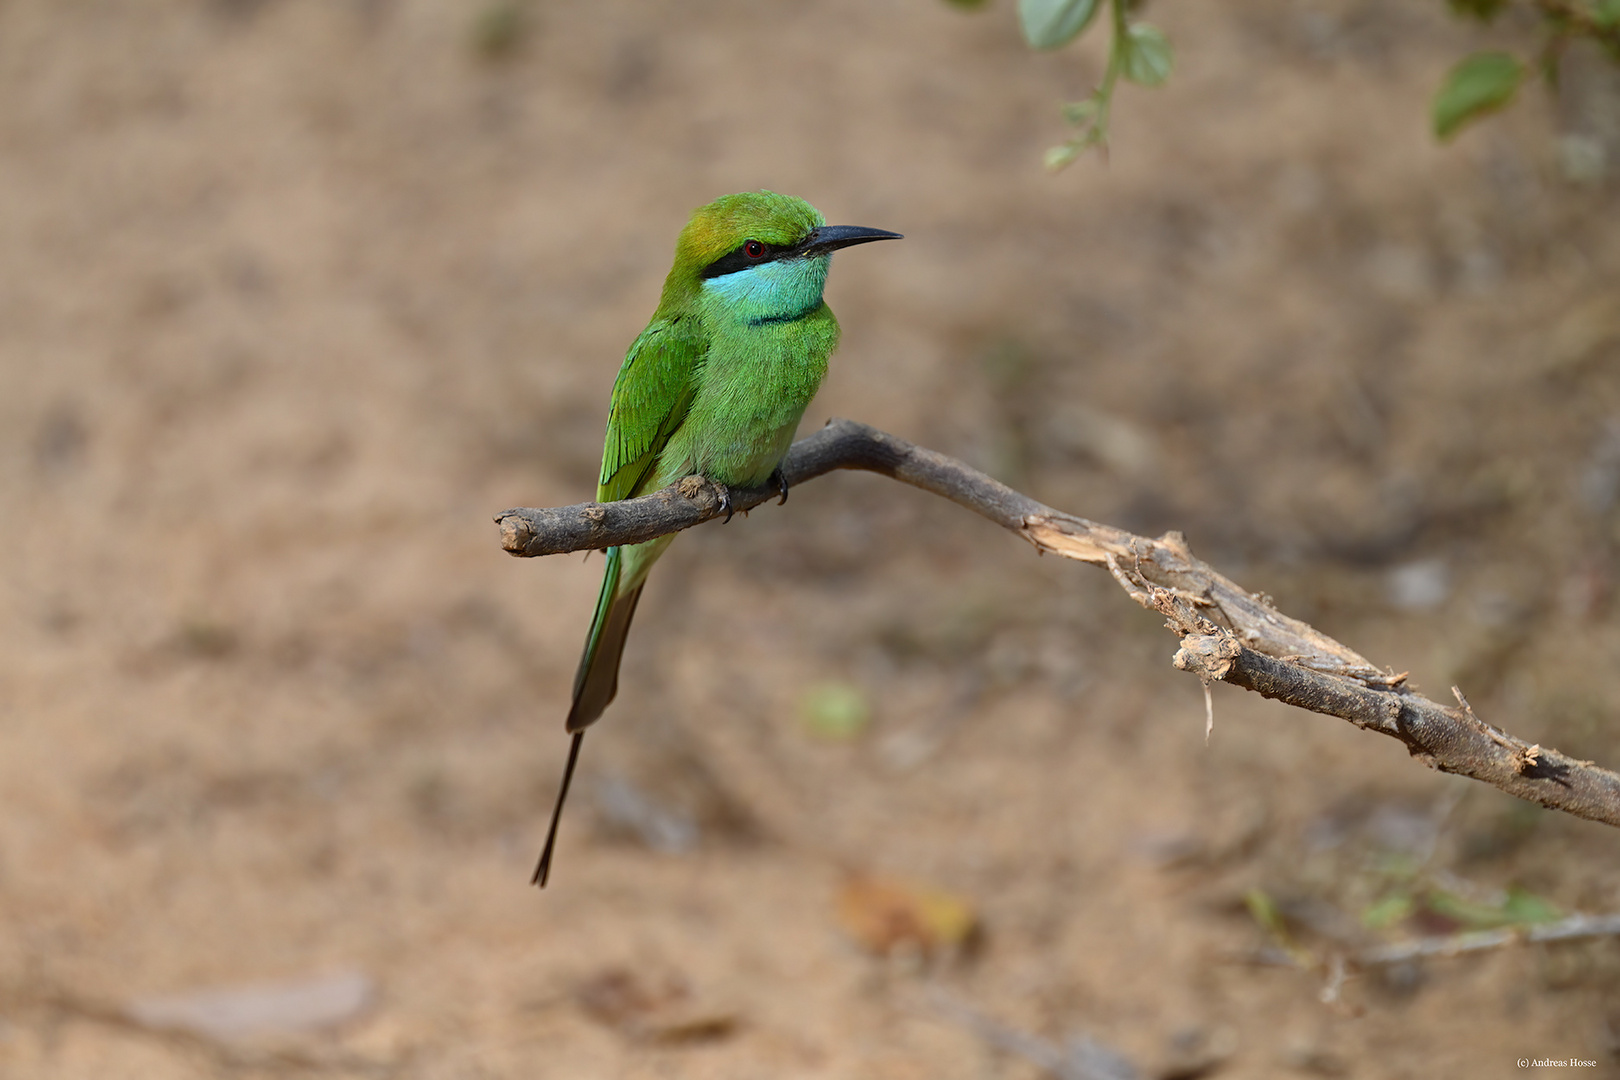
714 386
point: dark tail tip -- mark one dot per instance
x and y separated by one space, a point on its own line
542 869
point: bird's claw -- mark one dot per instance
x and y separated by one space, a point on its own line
778 481
725 501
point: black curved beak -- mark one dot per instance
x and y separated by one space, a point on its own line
830 238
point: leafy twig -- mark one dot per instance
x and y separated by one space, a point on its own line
1137 51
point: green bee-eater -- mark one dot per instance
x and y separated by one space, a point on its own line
714 386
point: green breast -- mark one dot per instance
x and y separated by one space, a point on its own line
753 387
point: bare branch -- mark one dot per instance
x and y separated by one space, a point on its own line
1227 633
1570 928
1566 929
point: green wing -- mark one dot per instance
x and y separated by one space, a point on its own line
650 399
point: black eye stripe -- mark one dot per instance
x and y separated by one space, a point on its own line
733 261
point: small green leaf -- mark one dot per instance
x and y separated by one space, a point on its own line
1147 57
966 5
1480 84
835 710
1472 915
1263 909
1081 112
1520 907
1526 907
1387 912
1049 24
1058 157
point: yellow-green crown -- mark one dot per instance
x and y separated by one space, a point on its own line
721 226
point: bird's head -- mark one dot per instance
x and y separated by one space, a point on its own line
762 254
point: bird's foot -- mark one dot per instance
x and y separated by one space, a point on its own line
779 482
725 499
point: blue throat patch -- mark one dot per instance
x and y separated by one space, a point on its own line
780 291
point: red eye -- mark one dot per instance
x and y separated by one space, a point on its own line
754 249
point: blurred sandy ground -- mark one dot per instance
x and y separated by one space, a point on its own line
294 295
